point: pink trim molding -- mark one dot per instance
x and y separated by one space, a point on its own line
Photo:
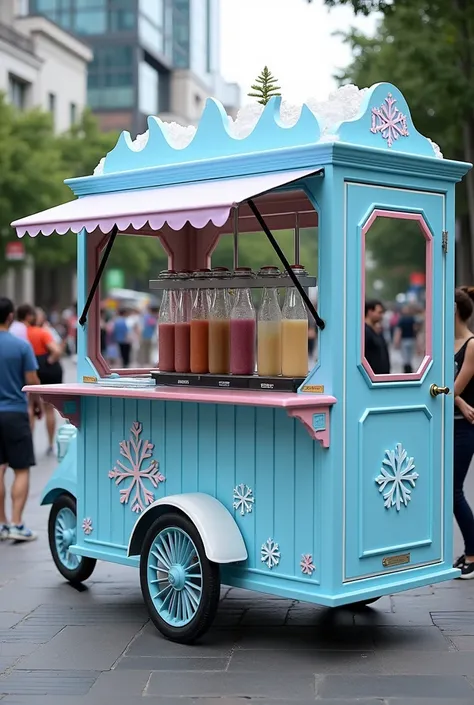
415 376
306 416
311 409
68 406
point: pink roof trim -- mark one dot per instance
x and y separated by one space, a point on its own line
196 203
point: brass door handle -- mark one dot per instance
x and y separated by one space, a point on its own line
435 391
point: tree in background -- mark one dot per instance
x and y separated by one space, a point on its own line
265 87
426 48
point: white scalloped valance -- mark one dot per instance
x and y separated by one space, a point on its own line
196 203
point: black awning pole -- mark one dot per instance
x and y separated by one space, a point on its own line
96 282
319 321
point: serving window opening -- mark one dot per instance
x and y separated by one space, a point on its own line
396 314
223 293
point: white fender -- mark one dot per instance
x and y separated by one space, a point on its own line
223 542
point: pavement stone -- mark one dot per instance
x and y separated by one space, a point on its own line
47 682
82 648
283 686
403 686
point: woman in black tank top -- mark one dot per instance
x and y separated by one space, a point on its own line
464 423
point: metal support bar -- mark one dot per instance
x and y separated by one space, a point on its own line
97 278
319 321
297 238
236 237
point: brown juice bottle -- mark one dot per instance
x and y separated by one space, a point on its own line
199 337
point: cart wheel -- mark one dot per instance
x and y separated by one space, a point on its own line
62 535
180 586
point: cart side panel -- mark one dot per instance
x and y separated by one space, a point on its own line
216 449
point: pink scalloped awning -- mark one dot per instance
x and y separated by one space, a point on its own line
197 203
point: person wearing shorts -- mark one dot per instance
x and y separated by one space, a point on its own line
18 367
48 352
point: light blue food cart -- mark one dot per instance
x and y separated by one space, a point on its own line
336 492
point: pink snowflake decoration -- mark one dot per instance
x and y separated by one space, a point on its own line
87 526
389 121
136 452
307 565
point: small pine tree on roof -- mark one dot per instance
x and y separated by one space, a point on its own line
265 87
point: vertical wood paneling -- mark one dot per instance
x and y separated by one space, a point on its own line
119 432
105 498
207 448
173 431
307 499
130 417
245 451
264 481
284 488
90 479
225 461
190 447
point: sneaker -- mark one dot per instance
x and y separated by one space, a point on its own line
50 451
459 562
4 532
18 532
467 571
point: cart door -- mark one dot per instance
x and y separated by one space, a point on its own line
394 453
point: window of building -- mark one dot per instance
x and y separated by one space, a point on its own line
110 77
148 89
91 21
151 35
121 20
52 103
153 10
181 32
72 113
18 92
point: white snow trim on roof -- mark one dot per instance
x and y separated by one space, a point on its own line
342 104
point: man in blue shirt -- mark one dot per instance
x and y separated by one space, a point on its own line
17 367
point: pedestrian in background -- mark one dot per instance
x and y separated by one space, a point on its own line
463 423
148 336
48 354
17 368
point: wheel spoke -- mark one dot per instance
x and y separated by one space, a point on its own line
195 599
165 546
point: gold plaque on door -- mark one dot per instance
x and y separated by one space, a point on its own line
392 561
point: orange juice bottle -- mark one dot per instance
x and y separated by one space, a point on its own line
294 332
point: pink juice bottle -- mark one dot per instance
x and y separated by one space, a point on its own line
166 326
219 326
182 333
242 328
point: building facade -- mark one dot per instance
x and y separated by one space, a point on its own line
41 65
151 57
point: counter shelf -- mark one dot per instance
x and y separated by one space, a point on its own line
311 409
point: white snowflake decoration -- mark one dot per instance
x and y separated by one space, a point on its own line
243 499
389 121
270 553
307 566
136 451
87 526
398 471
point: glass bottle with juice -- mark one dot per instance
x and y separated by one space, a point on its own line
182 333
242 328
199 336
269 319
294 332
166 325
219 327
